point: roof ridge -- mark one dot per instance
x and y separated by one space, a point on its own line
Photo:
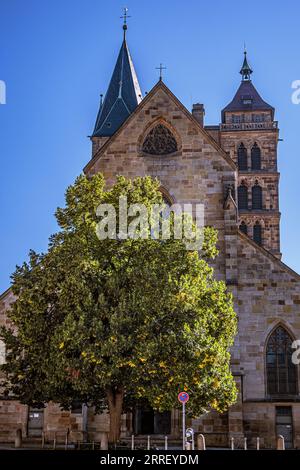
5 293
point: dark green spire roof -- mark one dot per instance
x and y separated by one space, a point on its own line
246 71
122 97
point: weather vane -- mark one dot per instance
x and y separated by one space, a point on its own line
160 68
124 17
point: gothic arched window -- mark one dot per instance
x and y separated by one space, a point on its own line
244 228
257 233
256 197
243 197
281 372
242 158
160 141
255 157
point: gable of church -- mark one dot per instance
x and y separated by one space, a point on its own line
162 139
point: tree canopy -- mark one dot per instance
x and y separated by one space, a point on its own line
112 322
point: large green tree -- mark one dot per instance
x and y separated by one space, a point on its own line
114 321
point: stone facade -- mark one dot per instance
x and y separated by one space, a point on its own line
267 177
204 169
266 292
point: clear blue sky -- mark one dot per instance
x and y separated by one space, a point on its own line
56 57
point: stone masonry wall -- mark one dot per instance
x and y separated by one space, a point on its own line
267 178
194 174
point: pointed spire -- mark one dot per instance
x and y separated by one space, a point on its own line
246 71
123 94
101 102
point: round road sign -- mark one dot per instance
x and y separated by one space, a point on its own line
183 397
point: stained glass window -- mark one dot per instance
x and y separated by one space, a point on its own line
281 372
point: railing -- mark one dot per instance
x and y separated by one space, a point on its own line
248 126
54 438
152 443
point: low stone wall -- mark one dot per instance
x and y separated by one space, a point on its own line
13 416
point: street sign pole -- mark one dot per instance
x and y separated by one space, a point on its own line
183 397
183 425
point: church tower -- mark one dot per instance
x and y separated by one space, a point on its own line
249 134
122 97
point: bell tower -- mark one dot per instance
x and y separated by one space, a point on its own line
249 133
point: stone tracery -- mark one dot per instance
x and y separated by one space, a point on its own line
160 141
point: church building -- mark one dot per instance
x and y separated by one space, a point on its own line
231 168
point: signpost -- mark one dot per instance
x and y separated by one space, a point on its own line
183 397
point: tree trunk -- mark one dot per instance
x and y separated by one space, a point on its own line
115 397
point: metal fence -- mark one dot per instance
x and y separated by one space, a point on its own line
61 440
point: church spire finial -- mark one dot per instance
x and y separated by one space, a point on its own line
246 71
124 17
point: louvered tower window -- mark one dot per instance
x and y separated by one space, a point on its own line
243 197
281 372
242 158
256 197
255 157
257 233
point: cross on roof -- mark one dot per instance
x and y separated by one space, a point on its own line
125 16
160 68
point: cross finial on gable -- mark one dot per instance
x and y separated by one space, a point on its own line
160 68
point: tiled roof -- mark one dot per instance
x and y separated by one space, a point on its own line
122 97
247 99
